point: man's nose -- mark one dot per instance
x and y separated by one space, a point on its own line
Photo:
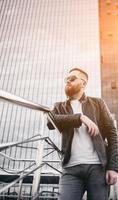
68 81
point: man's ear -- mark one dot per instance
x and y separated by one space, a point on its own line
84 83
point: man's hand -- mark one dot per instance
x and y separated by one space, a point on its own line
91 126
111 177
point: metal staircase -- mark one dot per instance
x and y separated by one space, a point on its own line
30 182
22 184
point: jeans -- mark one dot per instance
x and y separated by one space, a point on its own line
80 178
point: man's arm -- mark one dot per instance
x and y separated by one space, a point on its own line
112 138
65 121
111 135
92 128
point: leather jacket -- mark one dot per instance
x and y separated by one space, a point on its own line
105 144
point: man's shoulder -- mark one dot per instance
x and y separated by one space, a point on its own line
60 107
88 98
95 99
58 103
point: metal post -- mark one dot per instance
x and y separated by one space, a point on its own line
39 157
20 187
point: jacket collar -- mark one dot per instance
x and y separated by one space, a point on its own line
82 99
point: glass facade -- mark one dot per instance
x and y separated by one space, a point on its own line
39 42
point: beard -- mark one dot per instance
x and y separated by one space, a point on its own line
70 91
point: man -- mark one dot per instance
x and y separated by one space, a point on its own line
87 131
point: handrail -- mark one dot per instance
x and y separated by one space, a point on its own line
6 96
47 139
4 146
13 159
14 172
18 179
28 104
26 174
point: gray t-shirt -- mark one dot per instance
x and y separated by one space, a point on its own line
82 150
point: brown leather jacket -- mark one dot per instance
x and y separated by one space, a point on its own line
98 112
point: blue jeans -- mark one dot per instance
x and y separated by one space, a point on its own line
80 178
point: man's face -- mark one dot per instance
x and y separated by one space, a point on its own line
75 82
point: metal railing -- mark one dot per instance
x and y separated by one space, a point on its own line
26 172
37 163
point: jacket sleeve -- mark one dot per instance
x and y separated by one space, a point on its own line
111 135
64 121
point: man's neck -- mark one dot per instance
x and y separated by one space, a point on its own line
77 96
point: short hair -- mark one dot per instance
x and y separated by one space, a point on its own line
80 70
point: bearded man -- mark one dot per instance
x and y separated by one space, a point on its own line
87 130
